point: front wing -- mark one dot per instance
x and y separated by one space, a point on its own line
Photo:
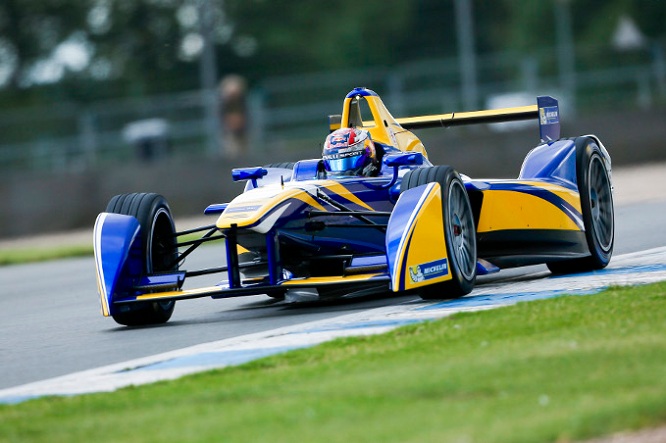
415 256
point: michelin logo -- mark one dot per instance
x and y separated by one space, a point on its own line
549 115
427 271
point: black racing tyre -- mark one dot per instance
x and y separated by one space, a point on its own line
159 250
596 200
459 230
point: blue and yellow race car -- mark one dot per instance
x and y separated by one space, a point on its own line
373 215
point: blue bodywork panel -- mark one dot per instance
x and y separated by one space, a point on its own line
117 255
552 161
306 169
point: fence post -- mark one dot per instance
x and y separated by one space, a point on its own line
257 114
395 99
208 78
644 96
467 53
530 72
87 138
209 102
566 53
659 68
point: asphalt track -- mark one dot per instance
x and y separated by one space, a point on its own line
50 323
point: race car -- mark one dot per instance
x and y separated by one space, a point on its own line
315 229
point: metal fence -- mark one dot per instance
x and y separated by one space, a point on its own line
291 112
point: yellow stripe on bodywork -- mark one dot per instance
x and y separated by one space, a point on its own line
185 293
251 217
569 196
427 242
307 199
345 193
310 281
212 290
102 295
508 209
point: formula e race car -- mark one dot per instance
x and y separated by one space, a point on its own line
304 229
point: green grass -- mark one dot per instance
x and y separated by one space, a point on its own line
555 370
17 256
30 255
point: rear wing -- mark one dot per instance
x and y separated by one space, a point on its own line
546 110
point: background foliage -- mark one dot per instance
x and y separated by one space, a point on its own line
86 50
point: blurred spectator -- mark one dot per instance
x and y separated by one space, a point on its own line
233 110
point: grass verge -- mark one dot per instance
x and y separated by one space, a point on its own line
30 255
554 370
19 256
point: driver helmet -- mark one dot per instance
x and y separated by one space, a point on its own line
349 151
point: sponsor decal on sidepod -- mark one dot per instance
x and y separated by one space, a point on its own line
426 271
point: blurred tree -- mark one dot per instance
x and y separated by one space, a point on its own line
650 16
30 35
131 46
137 47
139 41
302 35
430 32
91 49
530 26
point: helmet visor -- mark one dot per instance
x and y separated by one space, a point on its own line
346 163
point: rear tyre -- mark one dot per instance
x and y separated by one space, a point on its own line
596 200
459 230
158 244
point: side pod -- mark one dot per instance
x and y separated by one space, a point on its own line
115 238
415 242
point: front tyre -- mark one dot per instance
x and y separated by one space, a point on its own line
459 230
596 200
158 243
